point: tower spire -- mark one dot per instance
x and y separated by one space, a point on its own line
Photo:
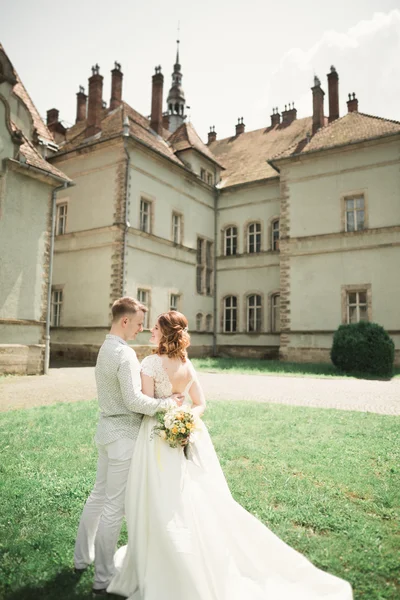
176 101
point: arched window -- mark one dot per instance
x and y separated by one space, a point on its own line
275 235
254 238
209 323
254 311
276 313
230 314
199 321
230 241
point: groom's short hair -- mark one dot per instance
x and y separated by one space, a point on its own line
126 305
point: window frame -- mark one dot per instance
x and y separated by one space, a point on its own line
56 322
144 199
257 308
176 295
275 240
275 324
234 310
145 290
205 266
61 218
255 234
234 237
354 195
199 321
180 228
356 289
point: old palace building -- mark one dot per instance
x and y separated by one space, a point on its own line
266 240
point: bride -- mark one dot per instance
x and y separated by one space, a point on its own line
188 538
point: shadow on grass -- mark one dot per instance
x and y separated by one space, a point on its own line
66 585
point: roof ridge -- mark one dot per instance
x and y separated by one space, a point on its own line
378 118
260 129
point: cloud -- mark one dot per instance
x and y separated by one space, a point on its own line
366 58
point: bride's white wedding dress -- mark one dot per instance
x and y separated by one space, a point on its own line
190 540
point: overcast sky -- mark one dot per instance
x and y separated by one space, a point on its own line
238 58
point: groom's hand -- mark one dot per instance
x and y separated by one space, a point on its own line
178 398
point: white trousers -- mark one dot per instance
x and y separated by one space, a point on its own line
102 516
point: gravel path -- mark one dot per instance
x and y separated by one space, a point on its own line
77 383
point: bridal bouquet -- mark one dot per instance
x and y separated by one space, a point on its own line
175 426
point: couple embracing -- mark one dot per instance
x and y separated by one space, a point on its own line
187 537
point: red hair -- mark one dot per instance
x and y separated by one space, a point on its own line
175 338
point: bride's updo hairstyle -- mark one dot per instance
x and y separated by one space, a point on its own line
175 338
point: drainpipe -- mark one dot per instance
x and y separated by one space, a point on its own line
65 185
216 196
126 219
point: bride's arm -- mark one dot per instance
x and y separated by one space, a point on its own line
197 396
147 385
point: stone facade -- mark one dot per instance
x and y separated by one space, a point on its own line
27 183
284 188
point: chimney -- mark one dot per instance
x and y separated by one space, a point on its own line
81 102
95 105
318 106
275 117
52 116
57 129
165 120
156 120
116 86
352 103
240 126
289 114
333 93
212 135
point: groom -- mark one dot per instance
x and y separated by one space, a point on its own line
122 406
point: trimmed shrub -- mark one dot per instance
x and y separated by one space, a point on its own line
363 347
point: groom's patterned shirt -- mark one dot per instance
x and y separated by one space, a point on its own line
121 401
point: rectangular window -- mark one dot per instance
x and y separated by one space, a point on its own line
56 307
254 238
144 296
145 215
203 174
357 307
276 313
61 219
209 268
199 265
204 266
209 178
275 235
355 213
254 308
230 314
230 241
174 302
177 228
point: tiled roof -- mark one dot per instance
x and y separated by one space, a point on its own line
353 127
186 137
112 124
245 156
20 91
30 154
33 158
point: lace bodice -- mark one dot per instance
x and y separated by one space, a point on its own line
153 367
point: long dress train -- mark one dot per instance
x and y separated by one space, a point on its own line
190 540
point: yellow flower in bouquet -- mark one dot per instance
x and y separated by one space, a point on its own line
175 426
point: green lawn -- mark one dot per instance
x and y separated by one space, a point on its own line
326 481
252 366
